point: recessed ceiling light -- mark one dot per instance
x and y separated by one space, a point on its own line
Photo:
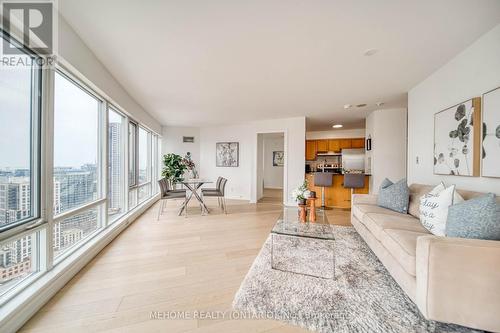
370 52
338 126
347 106
380 104
361 105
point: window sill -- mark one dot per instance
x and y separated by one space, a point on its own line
17 311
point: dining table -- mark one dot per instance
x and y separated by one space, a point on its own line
192 187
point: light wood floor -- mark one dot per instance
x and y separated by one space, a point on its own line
272 195
174 264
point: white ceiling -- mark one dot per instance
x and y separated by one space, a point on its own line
197 63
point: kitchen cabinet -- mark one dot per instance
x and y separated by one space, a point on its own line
358 143
310 150
334 145
322 146
336 195
345 144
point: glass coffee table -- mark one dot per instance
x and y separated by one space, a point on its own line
320 231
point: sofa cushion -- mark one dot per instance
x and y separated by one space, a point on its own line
402 244
377 223
477 218
359 210
417 191
394 196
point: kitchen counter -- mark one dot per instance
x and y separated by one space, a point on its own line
336 195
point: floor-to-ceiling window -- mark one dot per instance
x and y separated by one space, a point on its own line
20 112
77 163
71 164
117 186
144 176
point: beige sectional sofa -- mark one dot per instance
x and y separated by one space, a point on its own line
451 280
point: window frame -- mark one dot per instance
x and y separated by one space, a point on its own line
124 161
100 167
35 141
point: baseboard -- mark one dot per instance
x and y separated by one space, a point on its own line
16 312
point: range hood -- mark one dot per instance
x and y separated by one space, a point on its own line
329 153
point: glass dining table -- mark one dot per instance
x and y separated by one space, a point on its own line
192 187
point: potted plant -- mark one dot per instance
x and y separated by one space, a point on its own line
301 193
173 168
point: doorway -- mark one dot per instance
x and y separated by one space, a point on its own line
270 167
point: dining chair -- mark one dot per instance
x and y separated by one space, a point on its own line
218 192
167 193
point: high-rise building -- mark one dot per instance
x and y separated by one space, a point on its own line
114 168
76 186
15 199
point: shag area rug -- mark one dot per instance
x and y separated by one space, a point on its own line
362 297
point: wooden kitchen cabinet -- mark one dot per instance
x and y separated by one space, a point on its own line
345 144
310 150
322 146
334 145
358 143
336 195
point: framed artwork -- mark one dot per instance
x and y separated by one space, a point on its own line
457 139
491 134
227 154
278 158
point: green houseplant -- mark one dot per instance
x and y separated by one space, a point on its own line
173 168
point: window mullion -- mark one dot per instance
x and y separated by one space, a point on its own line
47 163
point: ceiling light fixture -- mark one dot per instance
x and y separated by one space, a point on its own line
370 52
361 105
380 104
347 106
338 126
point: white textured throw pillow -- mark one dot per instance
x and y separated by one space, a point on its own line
434 208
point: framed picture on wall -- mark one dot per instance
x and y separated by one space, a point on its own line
227 154
278 158
491 134
457 139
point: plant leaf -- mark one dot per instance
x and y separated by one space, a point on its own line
460 113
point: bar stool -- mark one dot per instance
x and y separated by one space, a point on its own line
354 180
323 179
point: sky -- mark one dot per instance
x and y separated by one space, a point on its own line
76 118
75 122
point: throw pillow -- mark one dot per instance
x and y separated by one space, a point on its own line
434 208
477 218
394 196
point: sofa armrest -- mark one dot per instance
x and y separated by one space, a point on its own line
458 281
368 199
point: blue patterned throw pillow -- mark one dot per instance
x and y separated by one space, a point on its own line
394 196
477 218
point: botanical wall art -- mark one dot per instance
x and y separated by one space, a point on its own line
457 145
227 154
278 158
491 134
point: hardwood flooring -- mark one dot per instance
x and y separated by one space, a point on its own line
174 264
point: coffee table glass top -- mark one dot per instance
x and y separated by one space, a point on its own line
288 224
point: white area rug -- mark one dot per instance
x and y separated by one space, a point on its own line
363 297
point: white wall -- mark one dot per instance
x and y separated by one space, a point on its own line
471 73
273 175
242 181
336 134
77 57
388 131
172 142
